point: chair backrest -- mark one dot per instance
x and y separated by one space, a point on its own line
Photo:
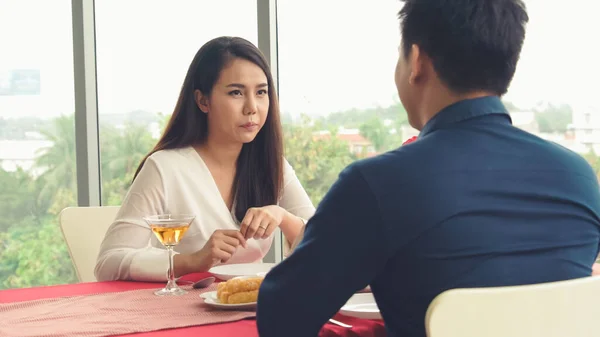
83 229
557 309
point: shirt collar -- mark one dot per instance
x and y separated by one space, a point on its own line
464 110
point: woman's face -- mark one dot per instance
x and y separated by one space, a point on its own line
238 105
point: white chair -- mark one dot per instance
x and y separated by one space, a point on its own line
557 309
83 229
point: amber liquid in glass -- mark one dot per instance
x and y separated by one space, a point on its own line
170 235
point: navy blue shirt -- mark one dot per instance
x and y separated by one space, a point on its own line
474 202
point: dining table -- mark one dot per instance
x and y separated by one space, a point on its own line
241 327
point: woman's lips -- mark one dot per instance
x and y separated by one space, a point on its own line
250 126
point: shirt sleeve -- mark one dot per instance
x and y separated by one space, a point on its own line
125 252
296 201
342 252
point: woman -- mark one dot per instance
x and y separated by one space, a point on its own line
221 159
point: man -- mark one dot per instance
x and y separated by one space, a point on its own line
473 202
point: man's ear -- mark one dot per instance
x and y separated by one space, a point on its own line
201 101
416 64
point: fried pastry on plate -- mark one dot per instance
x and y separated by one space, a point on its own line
239 290
237 285
243 297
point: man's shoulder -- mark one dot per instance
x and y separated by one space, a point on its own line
393 168
403 159
445 151
560 157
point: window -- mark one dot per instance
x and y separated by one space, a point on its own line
142 61
337 74
336 85
37 141
561 97
341 77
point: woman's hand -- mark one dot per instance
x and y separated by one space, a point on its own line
219 248
596 269
261 222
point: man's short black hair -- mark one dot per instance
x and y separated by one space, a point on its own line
473 44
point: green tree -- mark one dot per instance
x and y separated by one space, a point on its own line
32 251
121 153
17 200
354 118
58 160
114 190
554 118
123 150
375 131
317 161
163 120
34 254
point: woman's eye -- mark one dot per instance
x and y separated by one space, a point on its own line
235 93
263 92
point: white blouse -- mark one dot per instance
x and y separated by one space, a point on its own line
178 181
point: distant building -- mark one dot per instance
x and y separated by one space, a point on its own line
585 127
357 144
15 154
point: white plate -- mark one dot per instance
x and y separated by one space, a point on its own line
211 299
361 306
229 271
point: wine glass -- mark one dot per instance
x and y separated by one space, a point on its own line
169 229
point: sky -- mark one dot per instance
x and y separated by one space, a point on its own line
333 54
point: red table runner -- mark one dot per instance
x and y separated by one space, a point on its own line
110 314
245 327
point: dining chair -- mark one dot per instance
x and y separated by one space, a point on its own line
557 309
83 229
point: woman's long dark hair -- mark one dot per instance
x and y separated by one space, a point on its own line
259 175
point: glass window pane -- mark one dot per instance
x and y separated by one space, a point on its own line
143 52
37 141
554 90
336 78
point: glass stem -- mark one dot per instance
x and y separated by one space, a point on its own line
171 282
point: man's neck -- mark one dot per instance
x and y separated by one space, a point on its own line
436 100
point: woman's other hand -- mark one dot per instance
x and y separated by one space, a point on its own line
261 222
219 248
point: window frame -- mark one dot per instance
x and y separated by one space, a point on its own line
89 180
